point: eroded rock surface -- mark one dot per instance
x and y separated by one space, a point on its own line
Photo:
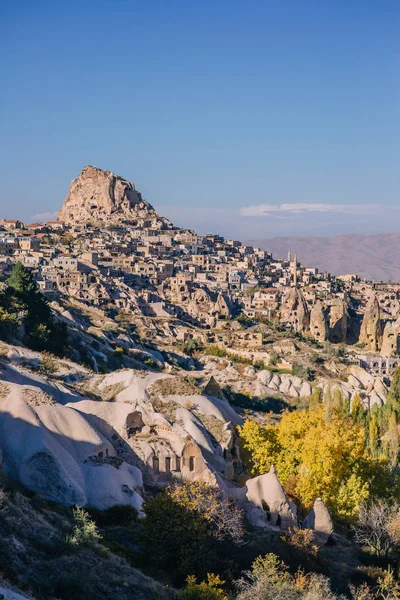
100 196
319 520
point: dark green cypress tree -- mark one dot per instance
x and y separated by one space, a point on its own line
28 302
28 297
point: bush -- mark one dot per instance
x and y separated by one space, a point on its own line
214 350
207 590
189 530
269 579
273 358
84 531
191 346
47 364
150 362
301 371
8 323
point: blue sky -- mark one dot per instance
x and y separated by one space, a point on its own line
252 119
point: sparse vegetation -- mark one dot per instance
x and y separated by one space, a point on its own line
48 364
173 386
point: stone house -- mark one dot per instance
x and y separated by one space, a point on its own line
8 245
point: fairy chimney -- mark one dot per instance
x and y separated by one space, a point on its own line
318 327
371 327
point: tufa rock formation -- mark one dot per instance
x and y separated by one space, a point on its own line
391 339
267 502
295 310
338 321
98 196
319 520
318 327
371 327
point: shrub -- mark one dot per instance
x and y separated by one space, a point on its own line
206 590
47 364
273 358
191 346
189 530
269 579
149 362
300 370
84 531
8 323
214 350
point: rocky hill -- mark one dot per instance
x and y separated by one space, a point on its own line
373 257
98 196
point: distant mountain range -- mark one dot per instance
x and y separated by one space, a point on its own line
374 257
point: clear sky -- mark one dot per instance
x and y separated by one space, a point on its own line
249 118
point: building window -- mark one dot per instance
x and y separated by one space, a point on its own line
191 463
167 464
178 463
156 464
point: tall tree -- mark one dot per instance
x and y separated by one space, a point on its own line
373 434
393 397
393 439
26 302
27 295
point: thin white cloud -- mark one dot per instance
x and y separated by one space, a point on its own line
42 217
277 210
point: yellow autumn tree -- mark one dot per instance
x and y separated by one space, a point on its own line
316 455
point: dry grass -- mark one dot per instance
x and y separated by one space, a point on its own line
37 397
168 409
3 350
173 386
111 391
214 426
4 390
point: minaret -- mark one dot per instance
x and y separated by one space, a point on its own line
289 257
295 270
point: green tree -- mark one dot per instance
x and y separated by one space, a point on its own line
189 530
316 456
357 409
393 440
84 531
393 397
30 307
373 434
27 295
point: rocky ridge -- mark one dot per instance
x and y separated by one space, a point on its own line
98 196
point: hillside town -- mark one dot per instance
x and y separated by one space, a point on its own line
139 360
114 250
